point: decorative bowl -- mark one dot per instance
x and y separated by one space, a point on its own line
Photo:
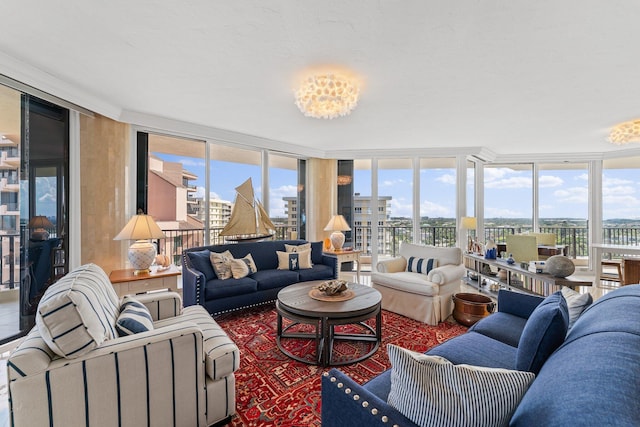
333 287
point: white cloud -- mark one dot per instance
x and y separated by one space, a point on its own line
503 213
547 181
512 182
583 176
447 179
606 181
572 195
435 210
621 189
400 207
276 203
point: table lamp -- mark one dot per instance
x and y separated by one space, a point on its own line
337 224
469 223
142 252
38 225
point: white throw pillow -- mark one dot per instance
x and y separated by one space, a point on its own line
576 302
78 312
431 391
242 267
294 260
297 248
221 263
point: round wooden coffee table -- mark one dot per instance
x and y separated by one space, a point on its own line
295 304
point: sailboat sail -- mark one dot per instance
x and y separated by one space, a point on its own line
249 220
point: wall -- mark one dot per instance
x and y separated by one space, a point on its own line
321 197
104 159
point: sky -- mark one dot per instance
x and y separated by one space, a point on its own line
508 192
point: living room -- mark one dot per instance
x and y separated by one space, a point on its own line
507 109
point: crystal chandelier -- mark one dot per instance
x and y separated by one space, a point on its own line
327 95
626 132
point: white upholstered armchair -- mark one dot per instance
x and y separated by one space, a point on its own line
420 282
73 368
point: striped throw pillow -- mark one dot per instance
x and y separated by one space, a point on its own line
421 265
134 317
431 391
78 312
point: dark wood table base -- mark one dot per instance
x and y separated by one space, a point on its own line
325 336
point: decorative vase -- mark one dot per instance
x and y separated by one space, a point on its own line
510 260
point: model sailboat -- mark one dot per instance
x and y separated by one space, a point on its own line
249 221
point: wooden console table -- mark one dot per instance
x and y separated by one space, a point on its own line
485 270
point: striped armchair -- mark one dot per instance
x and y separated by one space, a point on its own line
73 368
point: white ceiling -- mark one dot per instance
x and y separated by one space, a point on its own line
507 77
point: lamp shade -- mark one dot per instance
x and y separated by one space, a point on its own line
140 227
39 221
337 223
141 253
469 222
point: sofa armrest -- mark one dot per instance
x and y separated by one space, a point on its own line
446 273
193 282
392 265
346 403
161 305
332 262
133 376
517 303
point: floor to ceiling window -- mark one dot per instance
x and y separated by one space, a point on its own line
283 195
362 202
563 205
621 201
438 202
508 200
395 182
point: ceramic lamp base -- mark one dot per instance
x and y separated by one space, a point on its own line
337 240
141 255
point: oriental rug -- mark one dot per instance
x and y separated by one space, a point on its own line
274 390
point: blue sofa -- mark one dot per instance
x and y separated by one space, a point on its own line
591 379
200 285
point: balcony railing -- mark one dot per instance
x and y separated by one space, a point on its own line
390 237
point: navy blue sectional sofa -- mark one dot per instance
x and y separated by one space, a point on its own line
591 379
201 285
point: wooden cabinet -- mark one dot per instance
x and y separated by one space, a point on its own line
483 274
126 283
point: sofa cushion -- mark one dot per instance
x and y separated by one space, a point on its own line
576 303
134 317
78 313
294 260
421 265
217 288
473 348
543 333
242 267
269 279
406 281
503 327
221 263
431 391
201 261
317 272
316 252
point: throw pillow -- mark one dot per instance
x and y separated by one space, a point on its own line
431 391
221 263
543 333
134 317
297 248
78 312
576 303
294 260
201 261
421 265
243 267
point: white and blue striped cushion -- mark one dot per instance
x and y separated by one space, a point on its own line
421 265
134 317
431 391
78 313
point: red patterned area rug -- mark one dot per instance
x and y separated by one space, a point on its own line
275 390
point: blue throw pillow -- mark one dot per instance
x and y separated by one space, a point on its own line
543 333
134 317
201 262
316 252
421 265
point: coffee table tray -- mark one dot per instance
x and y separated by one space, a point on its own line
317 294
